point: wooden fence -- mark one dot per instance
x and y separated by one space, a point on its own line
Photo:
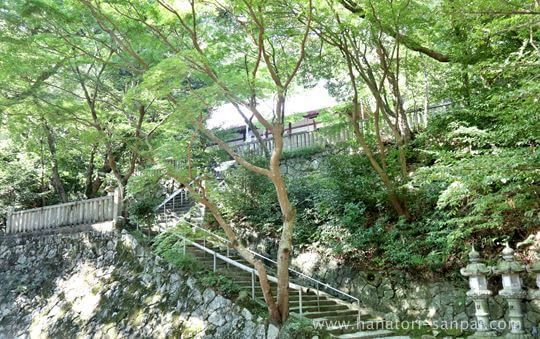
75 213
331 135
323 136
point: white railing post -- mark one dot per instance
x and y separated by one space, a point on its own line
9 221
318 298
253 284
117 201
300 299
214 261
358 320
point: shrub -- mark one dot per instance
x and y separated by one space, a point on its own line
143 195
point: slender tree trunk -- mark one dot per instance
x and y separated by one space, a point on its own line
94 184
90 174
426 97
394 200
404 127
56 181
264 282
287 210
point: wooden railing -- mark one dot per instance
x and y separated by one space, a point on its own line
75 213
323 136
331 135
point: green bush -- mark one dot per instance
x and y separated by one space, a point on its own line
466 185
171 248
143 195
225 285
299 328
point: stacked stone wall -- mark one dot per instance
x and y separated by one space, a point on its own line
106 285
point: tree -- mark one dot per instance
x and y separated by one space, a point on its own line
204 52
86 92
359 47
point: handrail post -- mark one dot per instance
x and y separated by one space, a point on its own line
253 284
358 320
228 254
318 298
214 261
204 244
300 299
184 246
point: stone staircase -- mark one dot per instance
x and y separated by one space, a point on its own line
178 204
337 316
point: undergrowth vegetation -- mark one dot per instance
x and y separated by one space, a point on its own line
170 246
470 183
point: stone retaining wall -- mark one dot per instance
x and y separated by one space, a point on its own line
400 296
106 285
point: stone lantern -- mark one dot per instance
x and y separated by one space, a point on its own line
512 291
535 268
534 294
479 293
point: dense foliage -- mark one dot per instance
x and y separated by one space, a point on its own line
99 93
468 185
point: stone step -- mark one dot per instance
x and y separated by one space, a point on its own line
351 318
366 335
321 308
292 298
209 258
295 303
337 313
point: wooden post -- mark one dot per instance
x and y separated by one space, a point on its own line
9 222
41 220
117 200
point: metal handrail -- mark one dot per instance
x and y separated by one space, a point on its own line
233 262
318 282
300 274
253 271
169 198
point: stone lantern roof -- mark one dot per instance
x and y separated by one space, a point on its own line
508 265
475 267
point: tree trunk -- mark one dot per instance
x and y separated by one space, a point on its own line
397 204
56 181
287 210
426 97
404 127
94 184
273 309
90 175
